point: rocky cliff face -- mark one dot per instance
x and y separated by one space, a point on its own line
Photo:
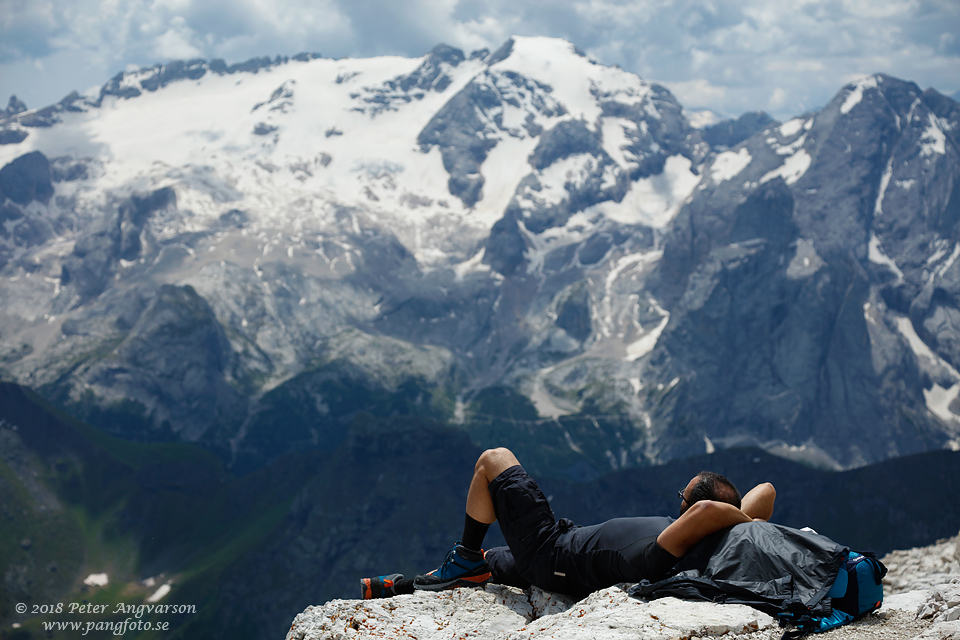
248 256
787 298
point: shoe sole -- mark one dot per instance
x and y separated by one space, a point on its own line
466 581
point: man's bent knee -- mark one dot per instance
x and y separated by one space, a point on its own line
493 462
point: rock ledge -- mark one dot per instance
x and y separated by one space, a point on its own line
923 601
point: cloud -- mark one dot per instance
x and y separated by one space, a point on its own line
696 93
728 55
178 41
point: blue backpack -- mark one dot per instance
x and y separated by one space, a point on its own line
856 591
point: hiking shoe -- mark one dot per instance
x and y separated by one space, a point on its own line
379 587
461 568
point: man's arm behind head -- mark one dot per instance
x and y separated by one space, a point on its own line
758 503
696 523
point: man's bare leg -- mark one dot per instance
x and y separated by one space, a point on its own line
465 564
491 463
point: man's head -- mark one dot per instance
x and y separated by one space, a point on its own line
708 485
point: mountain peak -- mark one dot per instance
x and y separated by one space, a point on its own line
552 226
14 106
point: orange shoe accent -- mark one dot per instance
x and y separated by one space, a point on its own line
479 579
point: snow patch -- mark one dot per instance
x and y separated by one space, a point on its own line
949 263
792 169
574 170
789 149
546 404
877 256
791 127
637 261
615 139
856 94
884 182
473 264
160 593
809 454
506 165
939 253
96 580
573 78
655 200
933 141
647 342
577 229
938 398
729 164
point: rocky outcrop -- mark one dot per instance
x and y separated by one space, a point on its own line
26 179
120 235
507 613
432 75
471 124
12 134
729 133
14 106
923 567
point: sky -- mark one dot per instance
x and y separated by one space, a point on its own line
730 56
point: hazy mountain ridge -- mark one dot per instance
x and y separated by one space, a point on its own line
191 248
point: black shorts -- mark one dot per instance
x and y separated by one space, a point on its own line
530 529
557 556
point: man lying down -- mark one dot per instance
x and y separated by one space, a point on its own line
557 556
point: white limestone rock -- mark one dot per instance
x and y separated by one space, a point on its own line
611 614
942 631
487 612
908 601
922 567
506 613
943 603
922 600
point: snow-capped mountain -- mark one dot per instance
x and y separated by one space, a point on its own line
526 242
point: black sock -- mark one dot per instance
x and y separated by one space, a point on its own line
473 533
403 586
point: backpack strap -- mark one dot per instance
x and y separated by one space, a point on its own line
797 615
802 625
793 634
879 569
